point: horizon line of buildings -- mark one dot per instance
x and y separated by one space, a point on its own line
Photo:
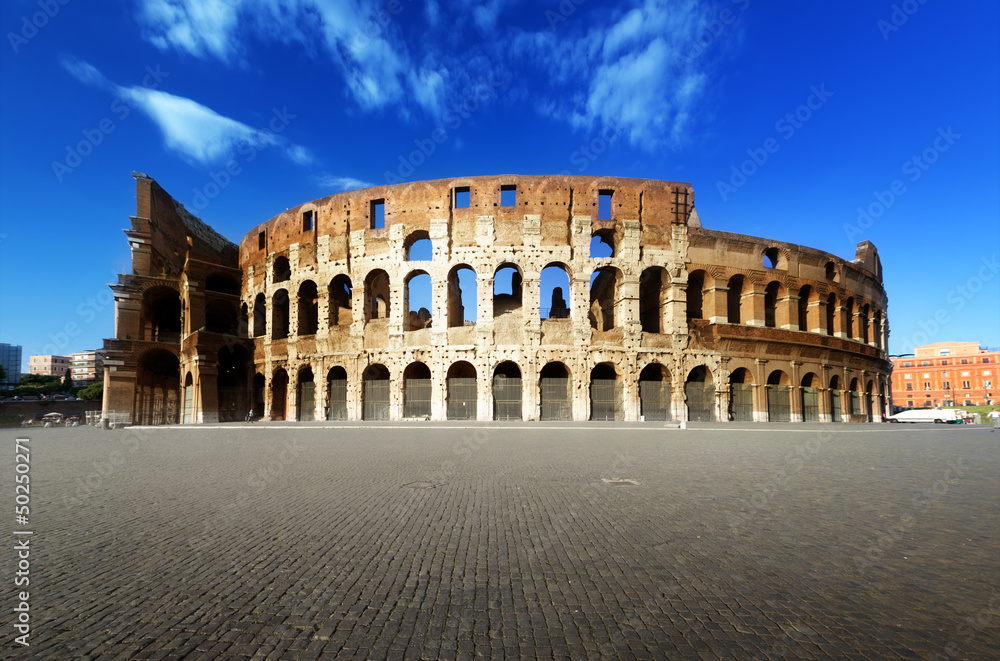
86 367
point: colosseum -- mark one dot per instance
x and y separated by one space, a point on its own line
491 298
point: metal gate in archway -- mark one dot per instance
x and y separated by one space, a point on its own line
700 400
654 399
556 402
779 404
741 401
307 401
462 398
416 398
376 395
810 405
606 400
336 399
506 397
188 403
835 405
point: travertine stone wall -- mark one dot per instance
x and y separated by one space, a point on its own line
734 326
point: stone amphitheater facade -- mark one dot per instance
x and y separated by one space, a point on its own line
311 316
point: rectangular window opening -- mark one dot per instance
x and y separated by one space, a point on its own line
377 214
508 196
261 241
307 221
462 197
604 204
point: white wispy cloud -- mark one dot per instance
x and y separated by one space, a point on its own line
189 128
626 65
635 75
340 184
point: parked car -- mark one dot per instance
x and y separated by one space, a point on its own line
940 416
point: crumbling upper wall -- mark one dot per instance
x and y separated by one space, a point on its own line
655 205
171 235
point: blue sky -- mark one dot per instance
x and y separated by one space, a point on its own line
849 120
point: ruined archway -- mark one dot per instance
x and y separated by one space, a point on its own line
507 391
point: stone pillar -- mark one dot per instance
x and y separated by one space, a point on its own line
716 304
439 390
786 312
825 414
840 322
816 317
760 411
795 394
206 396
752 303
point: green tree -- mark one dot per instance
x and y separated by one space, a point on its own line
3 374
92 393
68 379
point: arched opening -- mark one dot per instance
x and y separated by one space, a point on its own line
507 391
417 301
417 391
877 329
654 284
233 383
696 295
506 290
259 388
306 395
223 284
161 315
336 394
605 285
741 395
849 318
699 390
554 384
375 392
805 293
279 394
855 405
308 322
554 282
654 393
771 294
835 388
602 244
779 402
771 256
339 294
418 247
831 312
157 388
606 394
463 294
259 316
221 317
863 324
281 270
810 398
831 271
734 300
188 416
462 391
377 295
279 315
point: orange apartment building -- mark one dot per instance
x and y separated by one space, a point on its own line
946 374
48 365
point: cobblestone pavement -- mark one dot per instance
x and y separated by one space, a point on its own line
455 541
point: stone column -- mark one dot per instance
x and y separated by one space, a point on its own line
716 304
795 393
760 410
786 312
752 303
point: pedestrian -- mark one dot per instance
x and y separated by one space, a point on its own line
994 415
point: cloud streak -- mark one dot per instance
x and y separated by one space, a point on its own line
190 129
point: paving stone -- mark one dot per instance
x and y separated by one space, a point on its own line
763 542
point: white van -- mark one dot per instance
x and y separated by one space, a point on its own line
928 415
